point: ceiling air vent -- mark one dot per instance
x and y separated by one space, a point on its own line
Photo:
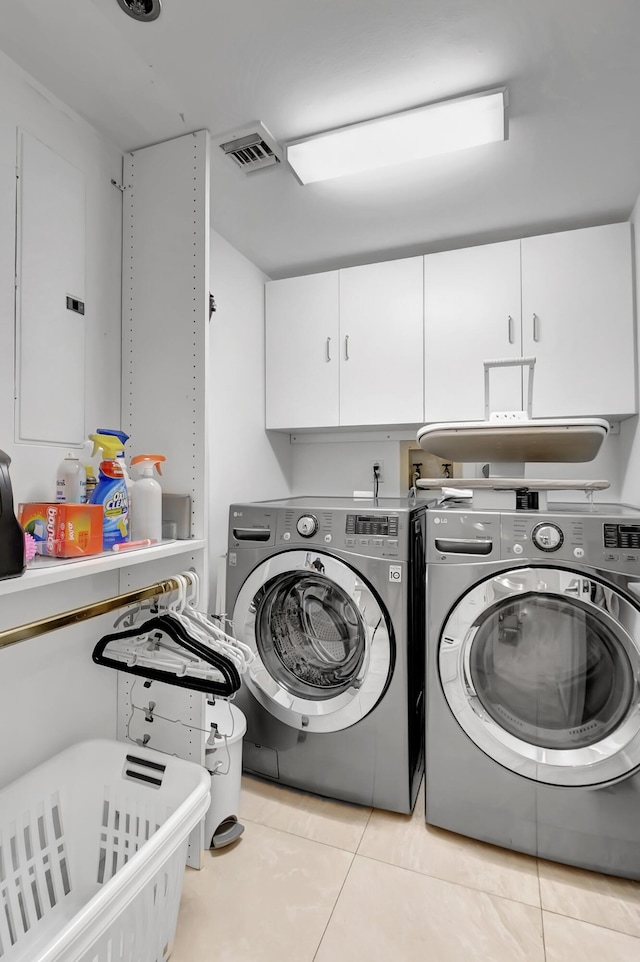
251 149
145 10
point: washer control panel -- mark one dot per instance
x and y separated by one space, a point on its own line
360 528
378 525
376 534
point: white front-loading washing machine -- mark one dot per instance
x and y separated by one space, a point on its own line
533 681
329 594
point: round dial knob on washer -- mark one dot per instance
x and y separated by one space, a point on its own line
307 525
547 537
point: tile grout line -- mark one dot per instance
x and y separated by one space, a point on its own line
306 838
574 918
544 941
364 831
439 878
596 925
324 931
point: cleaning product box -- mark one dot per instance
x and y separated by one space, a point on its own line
63 530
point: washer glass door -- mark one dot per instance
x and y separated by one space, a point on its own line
540 667
310 634
322 643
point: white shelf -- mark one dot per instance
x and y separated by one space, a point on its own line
49 571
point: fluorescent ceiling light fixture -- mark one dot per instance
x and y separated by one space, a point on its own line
398 138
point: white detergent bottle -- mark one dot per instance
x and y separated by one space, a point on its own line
146 499
71 480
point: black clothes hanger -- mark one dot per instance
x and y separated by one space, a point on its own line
142 662
215 658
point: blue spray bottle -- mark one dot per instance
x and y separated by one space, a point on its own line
123 438
111 491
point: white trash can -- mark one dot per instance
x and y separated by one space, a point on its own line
223 759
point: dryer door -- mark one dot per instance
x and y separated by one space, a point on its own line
322 641
540 667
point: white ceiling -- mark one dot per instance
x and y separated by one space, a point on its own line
300 66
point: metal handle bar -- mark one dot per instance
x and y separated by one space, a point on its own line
509 362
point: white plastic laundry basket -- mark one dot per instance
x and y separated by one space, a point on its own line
93 845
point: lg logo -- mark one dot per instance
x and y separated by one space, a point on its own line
395 574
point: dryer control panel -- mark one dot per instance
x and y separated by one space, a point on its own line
539 535
593 539
607 537
547 536
622 536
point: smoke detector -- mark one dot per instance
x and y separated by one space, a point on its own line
252 148
144 10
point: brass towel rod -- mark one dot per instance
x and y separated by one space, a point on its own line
13 635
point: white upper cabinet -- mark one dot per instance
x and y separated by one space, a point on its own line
346 347
575 291
302 349
577 320
405 341
472 315
381 343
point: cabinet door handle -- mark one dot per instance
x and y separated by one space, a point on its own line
328 351
346 347
536 327
510 329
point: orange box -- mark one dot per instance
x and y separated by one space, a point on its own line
63 530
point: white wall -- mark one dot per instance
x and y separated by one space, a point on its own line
605 467
629 430
339 468
50 691
245 463
342 467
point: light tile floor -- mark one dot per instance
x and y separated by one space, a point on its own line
312 880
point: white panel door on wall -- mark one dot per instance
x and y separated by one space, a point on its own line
7 277
302 352
382 343
577 319
50 319
472 314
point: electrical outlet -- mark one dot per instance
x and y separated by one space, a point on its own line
380 466
508 416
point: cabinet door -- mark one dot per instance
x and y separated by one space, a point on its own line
472 315
302 352
381 343
577 319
